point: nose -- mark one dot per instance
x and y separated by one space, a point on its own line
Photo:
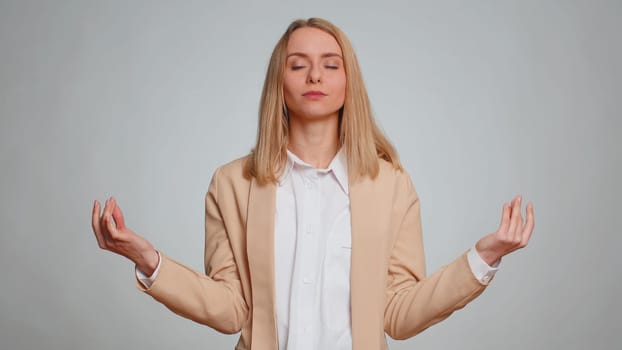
314 75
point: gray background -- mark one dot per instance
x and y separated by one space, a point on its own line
143 100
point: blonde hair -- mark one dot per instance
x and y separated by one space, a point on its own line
360 137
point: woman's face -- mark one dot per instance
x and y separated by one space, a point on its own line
314 82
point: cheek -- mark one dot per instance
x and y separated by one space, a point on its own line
288 88
341 88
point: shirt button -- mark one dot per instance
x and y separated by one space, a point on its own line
307 280
309 230
486 278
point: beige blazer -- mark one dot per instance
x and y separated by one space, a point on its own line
389 288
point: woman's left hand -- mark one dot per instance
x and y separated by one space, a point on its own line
513 233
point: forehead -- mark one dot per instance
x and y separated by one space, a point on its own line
309 40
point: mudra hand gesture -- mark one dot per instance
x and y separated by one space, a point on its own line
113 235
513 232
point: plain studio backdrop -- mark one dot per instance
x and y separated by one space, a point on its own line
144 99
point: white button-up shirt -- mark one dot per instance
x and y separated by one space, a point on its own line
312 245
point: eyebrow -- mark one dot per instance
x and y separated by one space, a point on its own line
324 55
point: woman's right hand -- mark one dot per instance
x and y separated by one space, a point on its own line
114 236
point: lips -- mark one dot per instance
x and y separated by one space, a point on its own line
314 94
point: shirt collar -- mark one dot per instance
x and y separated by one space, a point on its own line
338 166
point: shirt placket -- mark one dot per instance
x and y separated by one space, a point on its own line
309 251
304 287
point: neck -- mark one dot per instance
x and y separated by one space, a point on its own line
314 141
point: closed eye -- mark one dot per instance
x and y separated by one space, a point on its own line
297 67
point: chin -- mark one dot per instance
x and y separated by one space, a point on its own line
318 113
315 115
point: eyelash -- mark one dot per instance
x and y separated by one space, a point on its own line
301 67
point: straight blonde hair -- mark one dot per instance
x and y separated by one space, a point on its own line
362 140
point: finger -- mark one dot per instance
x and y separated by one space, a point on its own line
104 220
118 215
505 218
514 216
107 208
520 222
113 205
95 216
95 224
112 230
529 225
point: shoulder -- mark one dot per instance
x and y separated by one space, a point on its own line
388 172
233 169
397 179
230 176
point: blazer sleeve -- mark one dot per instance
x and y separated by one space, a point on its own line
214 298
415 302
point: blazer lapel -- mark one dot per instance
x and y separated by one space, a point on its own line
260 249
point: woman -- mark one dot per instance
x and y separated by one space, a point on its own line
313 241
